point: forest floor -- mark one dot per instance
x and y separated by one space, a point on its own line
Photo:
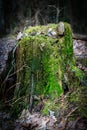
63 119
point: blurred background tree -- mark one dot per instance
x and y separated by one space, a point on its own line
32 12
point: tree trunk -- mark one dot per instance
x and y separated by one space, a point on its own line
1 16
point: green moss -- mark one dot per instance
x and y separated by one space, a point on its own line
49 105
39 57
38 29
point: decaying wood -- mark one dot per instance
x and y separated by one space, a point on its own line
79 36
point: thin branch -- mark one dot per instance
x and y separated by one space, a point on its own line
71 112
13 86
17 71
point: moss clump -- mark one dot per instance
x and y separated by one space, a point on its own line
38 56
39 29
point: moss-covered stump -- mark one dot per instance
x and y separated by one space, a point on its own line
43 60
45 65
